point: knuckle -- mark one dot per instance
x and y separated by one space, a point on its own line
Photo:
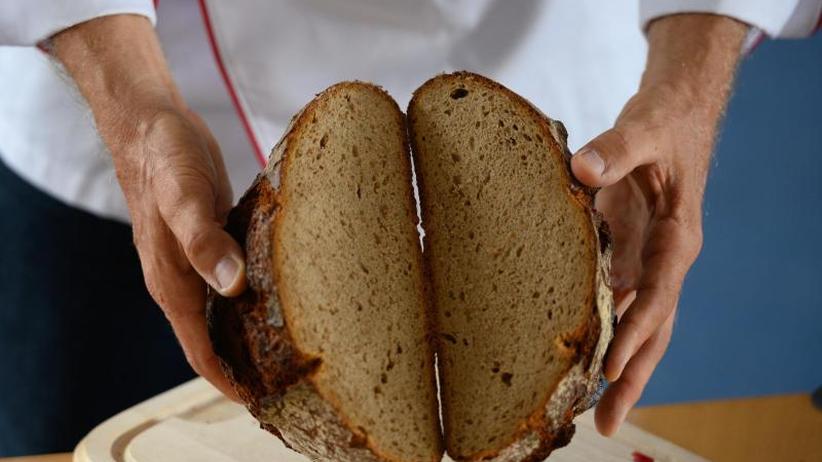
639 325
137 238
156 291
620 140
197 242
194 362
665 338
696 242
666 331
687 233
659 295
613 144
668 291
178 316
629 323
181 185
632 387
201 361
161 122
633 330
143 234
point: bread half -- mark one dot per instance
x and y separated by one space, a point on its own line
329 346
518 262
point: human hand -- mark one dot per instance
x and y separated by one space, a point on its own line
179 196
171 172
652 167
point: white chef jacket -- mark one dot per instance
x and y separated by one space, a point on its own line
247 65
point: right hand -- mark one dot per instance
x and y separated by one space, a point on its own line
179 196
170 169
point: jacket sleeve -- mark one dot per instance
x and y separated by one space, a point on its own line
776 18
28 22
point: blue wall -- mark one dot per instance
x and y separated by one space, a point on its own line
750 319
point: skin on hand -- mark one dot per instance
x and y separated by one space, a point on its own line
652 168
171 172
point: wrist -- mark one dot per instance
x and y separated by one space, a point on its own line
692 59
119 68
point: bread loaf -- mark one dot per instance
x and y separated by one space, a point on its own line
518 264
329 346
332 347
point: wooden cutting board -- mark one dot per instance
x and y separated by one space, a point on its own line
194 423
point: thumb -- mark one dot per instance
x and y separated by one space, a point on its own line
215 256
213 253
607 158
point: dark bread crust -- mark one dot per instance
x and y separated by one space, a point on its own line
250 333
550 426
251 337
254 346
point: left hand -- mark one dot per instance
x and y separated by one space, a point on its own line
653 181
652 168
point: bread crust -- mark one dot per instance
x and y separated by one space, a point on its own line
550 426
250 333
251 337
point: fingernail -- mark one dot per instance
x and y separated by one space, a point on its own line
226 272
613 367
610 374
622 414
592 159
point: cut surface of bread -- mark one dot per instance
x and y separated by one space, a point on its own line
517 266
329 346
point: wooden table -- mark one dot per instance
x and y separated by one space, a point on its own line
773 428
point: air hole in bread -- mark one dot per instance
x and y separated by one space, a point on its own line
506 378
459 93
517 244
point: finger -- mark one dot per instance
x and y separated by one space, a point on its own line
627 215
668 256
609 157
189 326
623 394
225 196
180 292
622 300
187 204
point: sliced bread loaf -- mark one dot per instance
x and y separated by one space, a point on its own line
518 264
329 346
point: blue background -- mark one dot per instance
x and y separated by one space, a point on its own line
750 319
